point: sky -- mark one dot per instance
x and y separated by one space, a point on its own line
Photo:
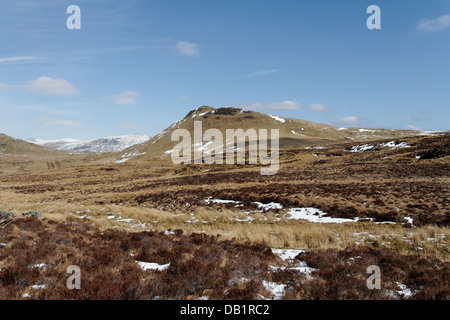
137 66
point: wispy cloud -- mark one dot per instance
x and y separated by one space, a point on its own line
285 105
351 120
319 108
187 48
262 73
47 85
20 60
413 127
434 25
4 86
59 122
126 97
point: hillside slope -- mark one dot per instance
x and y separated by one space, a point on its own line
294 133
12 146
21 156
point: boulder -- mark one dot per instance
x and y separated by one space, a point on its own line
6 215
33 214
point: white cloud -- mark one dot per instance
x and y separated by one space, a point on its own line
285 105
413 127
58 122
4 87
47 85
126 97
434 25
19 60
319 108
352 120
187 48
262 73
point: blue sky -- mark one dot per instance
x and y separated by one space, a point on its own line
136 66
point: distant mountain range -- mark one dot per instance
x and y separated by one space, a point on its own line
108 144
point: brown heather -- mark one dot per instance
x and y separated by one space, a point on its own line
103 217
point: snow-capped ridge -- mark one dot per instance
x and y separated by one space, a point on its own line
107 144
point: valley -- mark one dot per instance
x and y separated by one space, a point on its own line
307 232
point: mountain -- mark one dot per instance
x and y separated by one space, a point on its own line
294 133
108 144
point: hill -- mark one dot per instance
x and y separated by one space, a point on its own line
12 146
294 133
21 156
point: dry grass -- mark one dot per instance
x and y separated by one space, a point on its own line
271 227
386 185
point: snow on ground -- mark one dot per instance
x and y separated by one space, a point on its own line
261 206
297 133
362 148
152 266
202 146
432 133
108 144
276 289
269 206
309 214
394 145
129 156
409 220
124 220
277 118
210 200
287 254
315 215
38 286
300 266
390 144
403 292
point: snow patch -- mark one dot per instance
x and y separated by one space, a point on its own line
152 266
129 156
362 148
277 118
394 145
366 130
269 206
287 254
299 134
315 215
277 290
